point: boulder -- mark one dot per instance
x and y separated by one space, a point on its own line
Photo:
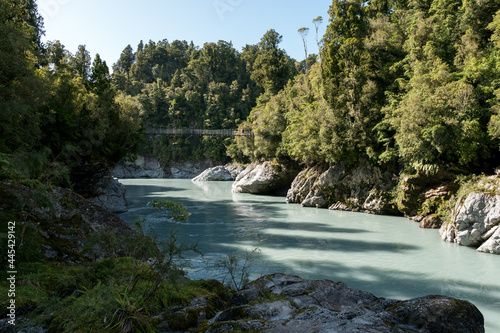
264 178
475 222
492 245
303 185
364 188
432 221
111 195
284 303
186 170
218 173
235 169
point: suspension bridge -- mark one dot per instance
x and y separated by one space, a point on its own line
196 131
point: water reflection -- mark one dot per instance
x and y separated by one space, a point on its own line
388 256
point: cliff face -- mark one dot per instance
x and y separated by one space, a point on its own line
365 188
150 167
63 226
475 220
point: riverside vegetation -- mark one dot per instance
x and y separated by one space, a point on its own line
406 86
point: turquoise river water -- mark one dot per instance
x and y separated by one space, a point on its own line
388 256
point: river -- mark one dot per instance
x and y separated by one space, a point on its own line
388 256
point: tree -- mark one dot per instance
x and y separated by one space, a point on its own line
81 62
303 33
127 58
22 89
317 22
272 69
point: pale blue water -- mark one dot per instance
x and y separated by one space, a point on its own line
388 256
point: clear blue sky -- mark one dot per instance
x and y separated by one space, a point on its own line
108 26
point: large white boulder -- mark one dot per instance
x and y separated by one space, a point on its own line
475 222
264 178
218 173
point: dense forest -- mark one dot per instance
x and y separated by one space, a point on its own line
61 120
179 85
410 83
407 85
416 83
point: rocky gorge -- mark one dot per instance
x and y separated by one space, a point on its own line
423 197
71 230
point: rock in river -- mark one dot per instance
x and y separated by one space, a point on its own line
475 222
282 303
218 173
265 178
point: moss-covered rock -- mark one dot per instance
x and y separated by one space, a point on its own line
284 303
59 225
364 188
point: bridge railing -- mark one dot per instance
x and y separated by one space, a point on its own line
196 131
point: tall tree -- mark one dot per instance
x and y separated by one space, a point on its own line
21 85
272 69
317 22
303 34
127 58
82 63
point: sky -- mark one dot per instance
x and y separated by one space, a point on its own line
106 27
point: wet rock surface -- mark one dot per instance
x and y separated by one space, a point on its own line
218 173
284 303
264 178
363 188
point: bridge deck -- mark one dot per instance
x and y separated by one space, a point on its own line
196 131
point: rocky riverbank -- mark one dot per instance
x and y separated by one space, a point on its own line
475 219
289 304
73 251
423 197
150 167
59 225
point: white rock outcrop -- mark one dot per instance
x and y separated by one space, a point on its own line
218 173
475 222
264 178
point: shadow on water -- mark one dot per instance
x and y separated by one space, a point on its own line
398 282
143 190
291 244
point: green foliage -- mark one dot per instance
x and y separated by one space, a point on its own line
236 270
411 83
177 85
60 123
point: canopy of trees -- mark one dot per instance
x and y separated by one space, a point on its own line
179 85
413 83
61 122
408 82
